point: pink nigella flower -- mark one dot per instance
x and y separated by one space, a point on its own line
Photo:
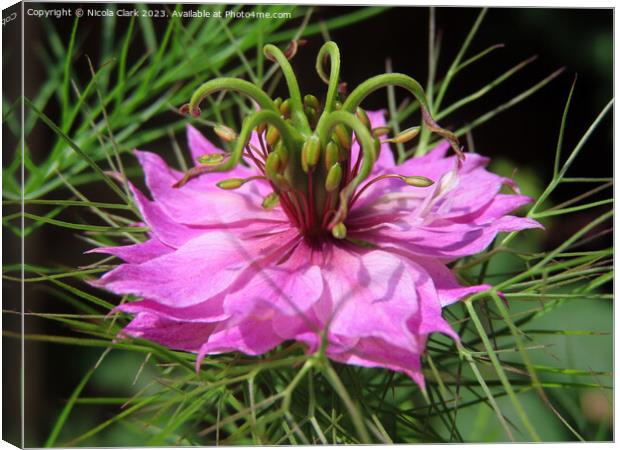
329 243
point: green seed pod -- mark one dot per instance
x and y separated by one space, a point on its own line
272 135
310 153
231 183
343 137
417 181
405 135
339 231
225 133
270 201
210 159
334 176
332 154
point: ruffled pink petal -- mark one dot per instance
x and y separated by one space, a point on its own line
165 229
200 202
198 270
450 240
186 336
211 310
136 253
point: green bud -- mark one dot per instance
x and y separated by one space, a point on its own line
312 102
334 176
310 153
272 165
285 108
363 117
343 136
277 102
227 134
405 135
337 105
270 201
332 154
380 131
417 181
272 135
231 183
339 231
211 159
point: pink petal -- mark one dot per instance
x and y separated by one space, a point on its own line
136 253
200 201
185 336
198 270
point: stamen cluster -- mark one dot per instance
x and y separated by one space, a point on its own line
305 149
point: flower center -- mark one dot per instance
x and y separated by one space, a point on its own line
306 151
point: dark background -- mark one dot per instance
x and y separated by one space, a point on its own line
579 39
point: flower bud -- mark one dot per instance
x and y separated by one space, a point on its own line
337 104
332 154
339 231
417 181
363 117
210 159
277 102
231 183
272 135
311 101
334 176
342 136
270 201
310 154
380 131
225 133
405 135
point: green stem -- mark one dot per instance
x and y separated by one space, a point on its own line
297 108
289 135
329 49
233 84
397 79
324 129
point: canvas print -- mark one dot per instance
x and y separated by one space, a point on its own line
255 224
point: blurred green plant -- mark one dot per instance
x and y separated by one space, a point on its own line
503 381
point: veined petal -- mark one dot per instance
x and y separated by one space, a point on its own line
187 336
136 253
198 270
200 202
